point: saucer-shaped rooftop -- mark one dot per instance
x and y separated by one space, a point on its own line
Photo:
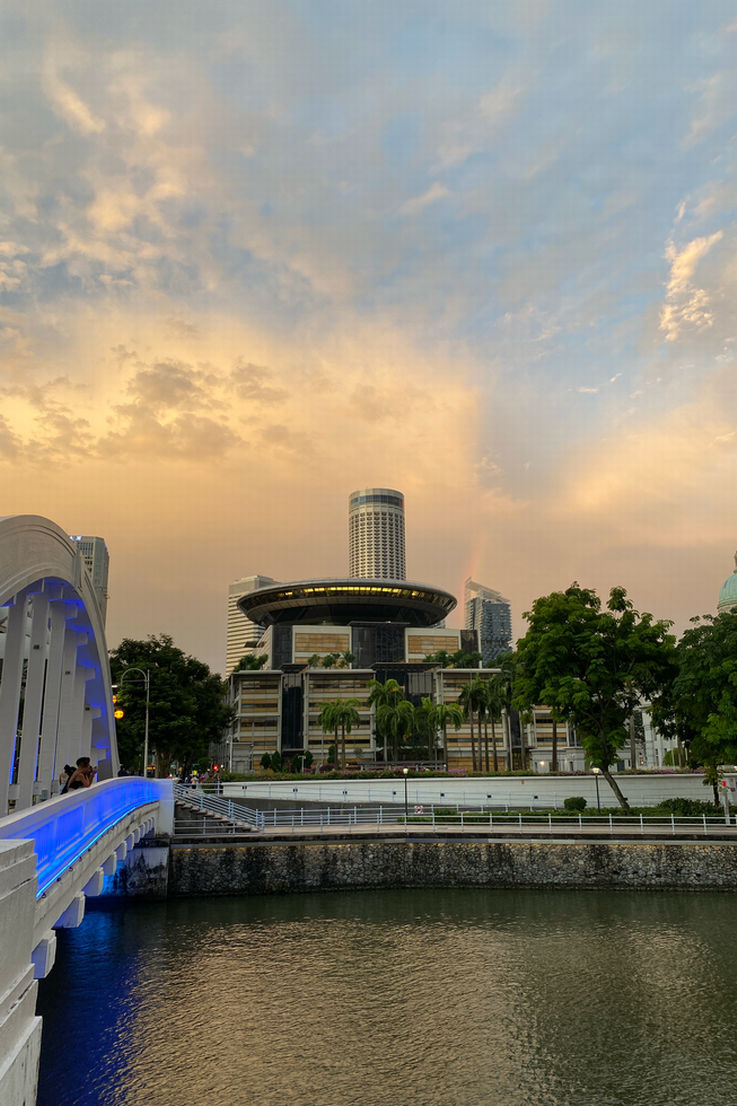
340 602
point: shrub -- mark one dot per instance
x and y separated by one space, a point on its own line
687 808
266 761
574 802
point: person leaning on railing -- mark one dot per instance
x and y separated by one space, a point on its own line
82 776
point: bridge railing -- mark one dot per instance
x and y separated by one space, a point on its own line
65 827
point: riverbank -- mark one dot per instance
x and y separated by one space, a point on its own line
339 863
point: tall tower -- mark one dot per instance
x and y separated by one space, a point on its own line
376 534
96 559
242 633
488 613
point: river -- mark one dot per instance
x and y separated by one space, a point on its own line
392 998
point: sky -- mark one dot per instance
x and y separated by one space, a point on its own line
254 256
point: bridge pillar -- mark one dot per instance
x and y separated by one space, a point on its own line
10 688
33 698
20 1029
51 761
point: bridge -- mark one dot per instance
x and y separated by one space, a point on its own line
55 706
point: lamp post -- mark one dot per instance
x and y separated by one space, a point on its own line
406 803
597 773
145 673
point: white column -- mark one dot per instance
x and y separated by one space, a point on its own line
69 710
50 763
32 701
10 687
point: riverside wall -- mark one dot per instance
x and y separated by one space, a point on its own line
301 866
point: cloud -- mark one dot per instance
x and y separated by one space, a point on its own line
686 307
434 193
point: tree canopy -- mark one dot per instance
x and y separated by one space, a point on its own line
251 662
700 707
592 666
459 659
188 708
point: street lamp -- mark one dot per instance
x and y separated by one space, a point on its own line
597 773
406 803
145 673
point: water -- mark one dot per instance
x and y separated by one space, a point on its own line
433 998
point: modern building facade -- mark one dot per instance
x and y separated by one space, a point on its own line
376 548
488 613
94 553
327 640
242 633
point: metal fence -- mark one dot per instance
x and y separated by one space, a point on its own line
435 817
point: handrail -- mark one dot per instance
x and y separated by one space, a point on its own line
64 827
434 816
214 804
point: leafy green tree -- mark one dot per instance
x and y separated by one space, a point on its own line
188 708
251 662
266 761
459 659
340 715
592 666
395 718
700 707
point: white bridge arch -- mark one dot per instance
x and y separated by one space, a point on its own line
55 706
55 694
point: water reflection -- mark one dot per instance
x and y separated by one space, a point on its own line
454 998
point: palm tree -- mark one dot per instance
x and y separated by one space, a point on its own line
340 714
440 715
494 706
471 699
394 714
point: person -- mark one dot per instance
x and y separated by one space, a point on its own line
65 777
83 775
122 771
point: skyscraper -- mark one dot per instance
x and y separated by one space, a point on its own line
242 634
376 534
488 613
96 559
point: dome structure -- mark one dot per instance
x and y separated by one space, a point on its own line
728 593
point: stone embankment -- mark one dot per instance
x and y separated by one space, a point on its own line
329 865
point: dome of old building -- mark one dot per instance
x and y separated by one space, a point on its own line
728 593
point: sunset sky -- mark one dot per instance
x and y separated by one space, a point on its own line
257 253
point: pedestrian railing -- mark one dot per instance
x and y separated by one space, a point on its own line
434 817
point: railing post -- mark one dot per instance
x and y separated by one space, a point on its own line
550 820
673 824
641 825
704 817
611 827
580 823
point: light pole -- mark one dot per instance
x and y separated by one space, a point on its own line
597 773
147 686
406 803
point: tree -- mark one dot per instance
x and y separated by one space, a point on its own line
394 714
493 699
471 700
592 667
340 715
251 662
459 659
699 708
188 708
439 716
